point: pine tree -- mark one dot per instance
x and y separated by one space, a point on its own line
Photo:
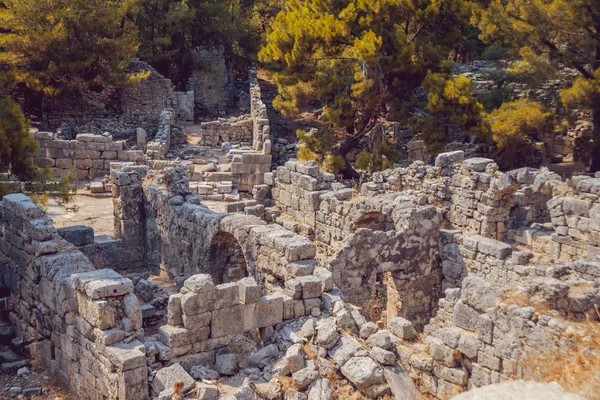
551 35
359 59
59 45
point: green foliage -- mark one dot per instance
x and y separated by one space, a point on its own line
17 147
358 59
518 122
493 99
449 102
585 92
495 53
334 163
380 157
316 144
170 28
550 35
59 45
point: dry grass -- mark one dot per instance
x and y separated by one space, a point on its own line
374 308
576 365
310 354
342 389
287 384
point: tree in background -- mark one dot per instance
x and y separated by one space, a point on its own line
514 127
450 103
359 60
169 29
17 149
59 45
550 35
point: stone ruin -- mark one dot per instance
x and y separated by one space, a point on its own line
425 282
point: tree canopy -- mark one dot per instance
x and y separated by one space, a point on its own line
59 45
359 60
550 35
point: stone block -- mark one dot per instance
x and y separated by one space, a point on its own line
78 235
312 286
197 303
102 283
447 159
173 336
192 322
165 378
270 310
403 328
126 356
226 295
231 320
249 290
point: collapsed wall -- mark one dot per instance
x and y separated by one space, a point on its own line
116 110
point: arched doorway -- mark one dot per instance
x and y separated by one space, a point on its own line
225 261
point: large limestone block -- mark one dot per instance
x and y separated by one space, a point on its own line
345 349
165 378
102 283
312 286
291 362
173 336
126 356
447 159
270 310
249 290
363 372
403 328
234 319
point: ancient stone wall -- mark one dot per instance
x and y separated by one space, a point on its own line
204 317
297 188
212 82
89 155
262 141
406 258
575 217
82 325
117 110
235 130
486 333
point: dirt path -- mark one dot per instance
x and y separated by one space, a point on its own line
91 211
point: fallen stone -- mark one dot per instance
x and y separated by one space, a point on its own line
166 377
363 372
403 328
227 364
203 373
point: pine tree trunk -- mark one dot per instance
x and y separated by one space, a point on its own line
346 147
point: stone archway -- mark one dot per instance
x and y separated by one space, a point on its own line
225 261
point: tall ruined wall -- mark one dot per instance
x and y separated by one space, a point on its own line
82 325
262 141
181 237
576 220
212 82
405 258
116 110
89 155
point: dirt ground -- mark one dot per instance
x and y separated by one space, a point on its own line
92 211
